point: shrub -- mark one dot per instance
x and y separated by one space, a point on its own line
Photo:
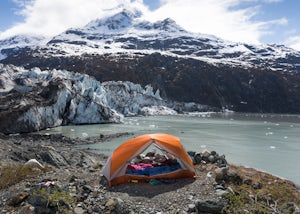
12 173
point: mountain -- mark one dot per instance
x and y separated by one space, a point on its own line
12 44
184 66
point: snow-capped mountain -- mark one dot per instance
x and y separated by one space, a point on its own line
12 44
126 32
184 66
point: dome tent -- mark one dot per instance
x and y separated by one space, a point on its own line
116 165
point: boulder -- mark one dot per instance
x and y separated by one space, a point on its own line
209 206
221 174
34 164
17 199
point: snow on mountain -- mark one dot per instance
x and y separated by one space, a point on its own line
115 23
11 44
126 32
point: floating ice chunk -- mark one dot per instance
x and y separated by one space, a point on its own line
277 124
285 137
272 147
152 126
291 125
84 134
269 128
72 130
203 146
269 133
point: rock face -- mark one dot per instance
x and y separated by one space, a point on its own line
32 100
184 66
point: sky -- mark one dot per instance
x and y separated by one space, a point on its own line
249 21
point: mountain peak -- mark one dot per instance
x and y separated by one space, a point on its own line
168 24
118 21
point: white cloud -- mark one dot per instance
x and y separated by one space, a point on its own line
221 18
293 42
272 1
51 17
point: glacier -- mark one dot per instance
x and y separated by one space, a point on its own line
33 100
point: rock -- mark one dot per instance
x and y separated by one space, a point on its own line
209 206
52 157
34 163
111 203
197 158
221 174
221 192
205 154
257 185
28 209
233 177
211 158
191 208
221 161
87 189
79 210
191 153
214 153
221 187
115 205
15 200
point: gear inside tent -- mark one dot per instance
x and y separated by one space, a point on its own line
146 157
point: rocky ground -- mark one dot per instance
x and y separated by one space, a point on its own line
71 182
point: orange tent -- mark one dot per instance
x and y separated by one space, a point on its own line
115 167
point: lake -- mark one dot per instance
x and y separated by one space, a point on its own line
268 142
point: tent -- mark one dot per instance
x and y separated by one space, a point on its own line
116 167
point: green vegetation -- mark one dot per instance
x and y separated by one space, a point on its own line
12 173
55 198
260 193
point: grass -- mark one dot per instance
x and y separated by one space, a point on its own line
13 173
272 195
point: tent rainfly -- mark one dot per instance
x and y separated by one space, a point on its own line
115 169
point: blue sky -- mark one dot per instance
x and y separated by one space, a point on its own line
251 21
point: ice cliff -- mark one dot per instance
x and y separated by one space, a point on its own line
32 100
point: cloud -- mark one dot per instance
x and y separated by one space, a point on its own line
293 42
225 19
49 18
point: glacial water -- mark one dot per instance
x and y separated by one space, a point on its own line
267 142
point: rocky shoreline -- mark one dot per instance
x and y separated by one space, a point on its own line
71 182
